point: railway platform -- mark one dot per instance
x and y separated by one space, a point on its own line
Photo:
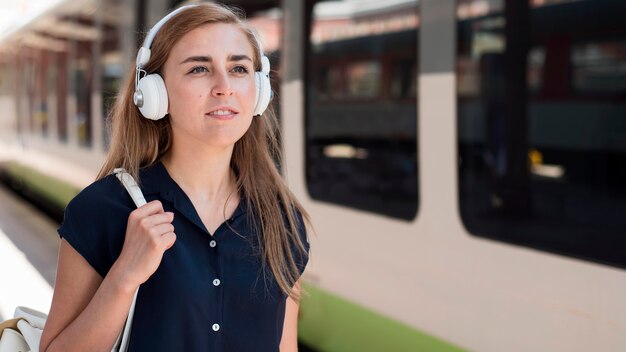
77 172
28 254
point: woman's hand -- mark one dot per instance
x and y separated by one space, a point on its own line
149 234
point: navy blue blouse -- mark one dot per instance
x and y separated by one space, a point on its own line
209 293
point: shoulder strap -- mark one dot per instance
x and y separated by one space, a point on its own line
131 186
121 344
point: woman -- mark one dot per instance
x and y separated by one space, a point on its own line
219 248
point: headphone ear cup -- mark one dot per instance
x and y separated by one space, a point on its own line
263 93
155 101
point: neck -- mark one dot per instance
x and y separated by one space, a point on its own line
202 172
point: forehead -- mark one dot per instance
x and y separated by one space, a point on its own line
213 39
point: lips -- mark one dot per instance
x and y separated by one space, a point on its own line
223 113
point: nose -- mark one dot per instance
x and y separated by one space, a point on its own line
222 85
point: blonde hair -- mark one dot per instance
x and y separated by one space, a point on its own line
137 142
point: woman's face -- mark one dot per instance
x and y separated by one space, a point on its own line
209 76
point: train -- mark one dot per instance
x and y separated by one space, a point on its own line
463 161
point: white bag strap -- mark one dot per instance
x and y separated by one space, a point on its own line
131 186
121 344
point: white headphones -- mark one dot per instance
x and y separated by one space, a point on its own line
150 92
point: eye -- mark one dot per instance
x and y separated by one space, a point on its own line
198 69
240 69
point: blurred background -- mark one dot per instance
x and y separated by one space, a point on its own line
464 162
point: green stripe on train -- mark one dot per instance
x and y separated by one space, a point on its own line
332 324
55 191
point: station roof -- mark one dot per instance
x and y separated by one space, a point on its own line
47 24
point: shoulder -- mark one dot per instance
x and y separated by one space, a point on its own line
103 196
94 222
103 205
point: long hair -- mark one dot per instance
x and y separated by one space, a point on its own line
137 142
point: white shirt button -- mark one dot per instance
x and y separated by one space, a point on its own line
216 327
216 282
212 243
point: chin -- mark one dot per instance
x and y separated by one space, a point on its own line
222 142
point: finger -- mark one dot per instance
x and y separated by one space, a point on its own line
168 240
162 229
145 210
158 219
154 207
149 221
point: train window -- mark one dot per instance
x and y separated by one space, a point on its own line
363 79
599 66
328 83
361 105
541 131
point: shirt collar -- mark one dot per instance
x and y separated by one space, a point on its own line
156 180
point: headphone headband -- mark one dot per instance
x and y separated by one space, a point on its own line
143 56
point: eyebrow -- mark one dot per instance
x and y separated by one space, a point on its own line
210 59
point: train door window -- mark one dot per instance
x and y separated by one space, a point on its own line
541 130
361 105
403 85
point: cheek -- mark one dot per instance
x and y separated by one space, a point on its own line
182 96
246 125
250 95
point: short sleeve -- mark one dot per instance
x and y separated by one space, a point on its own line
94 223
